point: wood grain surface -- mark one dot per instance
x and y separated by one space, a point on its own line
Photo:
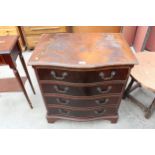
82 50
7 43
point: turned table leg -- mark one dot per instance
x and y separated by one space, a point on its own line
25 69
22 86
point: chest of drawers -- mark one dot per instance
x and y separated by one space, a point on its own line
82 76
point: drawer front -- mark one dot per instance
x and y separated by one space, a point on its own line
60 101
83 91
32 41
8 30
2 60
36 30
83 114
83 76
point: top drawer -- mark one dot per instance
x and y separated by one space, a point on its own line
83 76
34 30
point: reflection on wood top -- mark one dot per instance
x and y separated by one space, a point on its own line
7 43
82 50
145 71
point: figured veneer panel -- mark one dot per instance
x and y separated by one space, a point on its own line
82 50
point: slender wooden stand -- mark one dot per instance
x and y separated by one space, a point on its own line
9 57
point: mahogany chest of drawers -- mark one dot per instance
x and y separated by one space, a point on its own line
82 76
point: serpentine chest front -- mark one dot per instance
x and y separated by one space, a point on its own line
82 76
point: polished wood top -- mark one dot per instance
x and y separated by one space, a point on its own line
82 50
7 43
145 71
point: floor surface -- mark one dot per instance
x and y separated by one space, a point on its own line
15 112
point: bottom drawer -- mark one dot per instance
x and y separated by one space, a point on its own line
83 114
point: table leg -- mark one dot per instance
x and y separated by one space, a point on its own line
148 113
22 86
128 88
25 69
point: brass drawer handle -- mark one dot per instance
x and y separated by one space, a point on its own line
99 102
101 74
62 111
99 89
61 91
44 28
100 112
64 74
62 101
